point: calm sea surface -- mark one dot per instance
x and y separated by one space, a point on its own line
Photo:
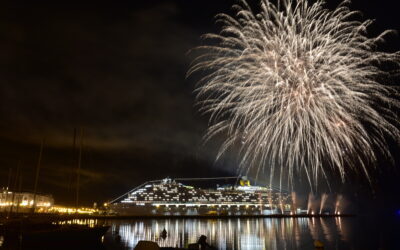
259 233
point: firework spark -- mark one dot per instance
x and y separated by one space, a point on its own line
297 87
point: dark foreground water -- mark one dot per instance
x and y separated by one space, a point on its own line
359 232
260 233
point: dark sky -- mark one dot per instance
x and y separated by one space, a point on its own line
117 70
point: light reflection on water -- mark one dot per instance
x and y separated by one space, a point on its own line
235 233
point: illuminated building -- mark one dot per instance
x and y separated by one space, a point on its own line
23 202
168 197
72 210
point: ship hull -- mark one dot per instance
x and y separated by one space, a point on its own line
199 210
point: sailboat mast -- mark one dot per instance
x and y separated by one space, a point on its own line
14 187
19 191
37 176
10 170
71 181
78 172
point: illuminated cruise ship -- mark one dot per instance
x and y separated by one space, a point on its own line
169 197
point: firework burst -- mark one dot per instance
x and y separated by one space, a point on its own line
297 87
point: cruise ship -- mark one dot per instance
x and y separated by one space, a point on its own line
169 197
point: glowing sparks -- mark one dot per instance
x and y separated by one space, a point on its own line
296 87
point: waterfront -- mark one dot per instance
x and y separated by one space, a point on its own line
258 233
252 233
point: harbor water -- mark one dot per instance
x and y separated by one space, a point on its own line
259 233
358 232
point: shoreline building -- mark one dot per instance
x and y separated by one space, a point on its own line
168 197
23 202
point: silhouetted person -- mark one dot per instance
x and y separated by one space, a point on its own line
164 234
118 238
203 243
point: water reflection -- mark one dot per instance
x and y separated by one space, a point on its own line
244 233
88 222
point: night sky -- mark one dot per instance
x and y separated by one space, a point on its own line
118 70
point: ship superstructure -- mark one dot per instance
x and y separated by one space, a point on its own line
170 197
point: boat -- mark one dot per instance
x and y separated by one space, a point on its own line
169 197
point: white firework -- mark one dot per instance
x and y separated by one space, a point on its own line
296 86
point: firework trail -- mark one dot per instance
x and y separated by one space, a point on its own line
296 86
